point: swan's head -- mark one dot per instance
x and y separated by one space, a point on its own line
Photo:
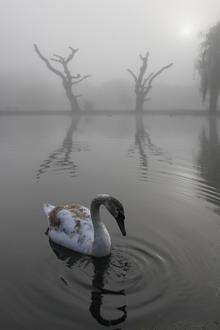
117 211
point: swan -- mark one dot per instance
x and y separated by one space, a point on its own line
82 230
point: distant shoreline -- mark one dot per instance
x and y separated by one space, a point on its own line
180 112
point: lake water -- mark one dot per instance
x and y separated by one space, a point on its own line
165 274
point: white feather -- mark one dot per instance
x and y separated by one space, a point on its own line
78 234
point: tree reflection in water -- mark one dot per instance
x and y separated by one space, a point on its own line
98 292
208 160
60 159
144 145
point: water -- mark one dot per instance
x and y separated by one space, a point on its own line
164 274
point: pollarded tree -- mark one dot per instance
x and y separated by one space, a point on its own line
68 79
143 82
208 66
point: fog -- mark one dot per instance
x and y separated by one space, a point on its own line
110 35
110 164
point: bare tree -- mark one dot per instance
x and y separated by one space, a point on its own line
68 79
143 82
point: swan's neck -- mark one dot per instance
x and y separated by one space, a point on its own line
95 212
102 242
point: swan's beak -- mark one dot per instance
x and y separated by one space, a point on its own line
121 223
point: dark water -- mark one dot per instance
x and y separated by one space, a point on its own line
164 275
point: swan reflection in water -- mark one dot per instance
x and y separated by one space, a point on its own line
60 159
208 160
101 266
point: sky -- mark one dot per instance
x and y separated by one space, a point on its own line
110 34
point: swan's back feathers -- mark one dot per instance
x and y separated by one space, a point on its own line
75 211
54 220
79 212
71 226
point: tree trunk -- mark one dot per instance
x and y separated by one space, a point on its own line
213 100
139 104
72 99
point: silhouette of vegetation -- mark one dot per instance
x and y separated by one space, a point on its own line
208 160
208 66
143 81
68 79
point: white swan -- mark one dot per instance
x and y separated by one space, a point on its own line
82 230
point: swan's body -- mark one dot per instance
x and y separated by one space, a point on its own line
79 229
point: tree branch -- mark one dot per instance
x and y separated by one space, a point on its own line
81 79
61 58
143 58
147 78
73 52
159 72
149 86
55 60
76 76
48 64
133 75
146 90
143 67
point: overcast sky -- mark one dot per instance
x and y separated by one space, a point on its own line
109 33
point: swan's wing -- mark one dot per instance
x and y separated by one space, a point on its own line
78 212
71 226
80 240
67 214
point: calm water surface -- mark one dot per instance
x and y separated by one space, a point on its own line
164 275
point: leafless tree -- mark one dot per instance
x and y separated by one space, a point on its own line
143 81
68 79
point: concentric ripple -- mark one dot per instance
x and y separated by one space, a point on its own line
142 271
137 277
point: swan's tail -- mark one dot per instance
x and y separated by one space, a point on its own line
47 208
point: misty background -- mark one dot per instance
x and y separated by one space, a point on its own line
110 35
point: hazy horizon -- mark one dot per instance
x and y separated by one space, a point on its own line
109 34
